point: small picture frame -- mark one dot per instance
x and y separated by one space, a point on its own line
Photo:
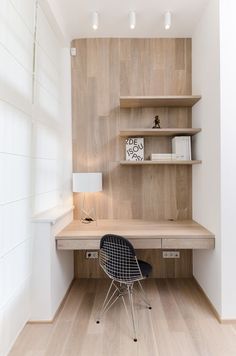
135 149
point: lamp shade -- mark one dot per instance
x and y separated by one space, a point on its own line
87 182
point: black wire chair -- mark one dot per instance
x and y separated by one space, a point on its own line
118 260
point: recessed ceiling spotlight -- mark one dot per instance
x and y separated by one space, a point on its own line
167 20
95 21
132 20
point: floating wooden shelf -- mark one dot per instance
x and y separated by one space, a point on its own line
159 132
149 162
159 101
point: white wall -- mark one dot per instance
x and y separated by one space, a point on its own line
228 162
35 157
206 177
16 53
51 117
53 270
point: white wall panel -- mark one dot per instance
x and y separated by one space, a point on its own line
1 238
46 73
15 130
46 142
15 36
227 159
15 233
26 10
46 201
15 178
47 39
206 177
46 176
2 341
46 103
1 286
45 68
34 127
15 315
15 82
16 267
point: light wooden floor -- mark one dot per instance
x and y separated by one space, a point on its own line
180 323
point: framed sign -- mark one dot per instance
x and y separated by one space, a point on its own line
134 149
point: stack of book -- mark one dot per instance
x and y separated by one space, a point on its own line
165 157
181 150
181 145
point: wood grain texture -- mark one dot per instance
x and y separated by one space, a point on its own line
104 70
161 161
158 101
162 267
139 132
198 243
92 244
135 229
181 322
142 234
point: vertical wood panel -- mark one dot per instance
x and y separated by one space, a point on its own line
103 70
162 267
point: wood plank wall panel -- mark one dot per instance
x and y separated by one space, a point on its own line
162 267
103 70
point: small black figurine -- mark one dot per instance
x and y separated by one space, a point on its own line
156 123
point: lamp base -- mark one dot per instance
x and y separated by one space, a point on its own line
87 217
87 220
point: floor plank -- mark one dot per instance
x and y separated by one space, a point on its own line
180 323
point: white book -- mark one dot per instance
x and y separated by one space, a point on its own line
176 156
166 156
181 145
190 148
161 158
135 149
161 155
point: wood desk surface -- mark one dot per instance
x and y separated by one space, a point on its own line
142 233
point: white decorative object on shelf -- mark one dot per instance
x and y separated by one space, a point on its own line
135 149
181 145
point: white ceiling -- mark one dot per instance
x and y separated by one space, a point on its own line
114 22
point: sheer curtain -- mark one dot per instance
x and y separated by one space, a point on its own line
51 119
35 140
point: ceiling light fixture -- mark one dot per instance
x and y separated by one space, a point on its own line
95 21
132 20
167 20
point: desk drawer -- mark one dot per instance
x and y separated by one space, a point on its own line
146 243
188 243
73 244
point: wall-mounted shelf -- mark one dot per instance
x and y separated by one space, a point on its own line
159 101
173 162
158 132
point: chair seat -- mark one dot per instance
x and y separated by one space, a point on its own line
145 267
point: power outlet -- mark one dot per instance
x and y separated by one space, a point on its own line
91 254
171 254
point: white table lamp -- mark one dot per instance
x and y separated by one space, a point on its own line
87 183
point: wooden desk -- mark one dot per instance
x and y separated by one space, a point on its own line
142 234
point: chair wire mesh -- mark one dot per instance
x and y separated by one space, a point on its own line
118 260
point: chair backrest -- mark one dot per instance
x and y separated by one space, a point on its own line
118 260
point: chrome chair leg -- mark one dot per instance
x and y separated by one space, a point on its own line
130 293
106 302
110 299
143 296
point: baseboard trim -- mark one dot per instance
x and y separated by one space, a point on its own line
50 321
215 312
